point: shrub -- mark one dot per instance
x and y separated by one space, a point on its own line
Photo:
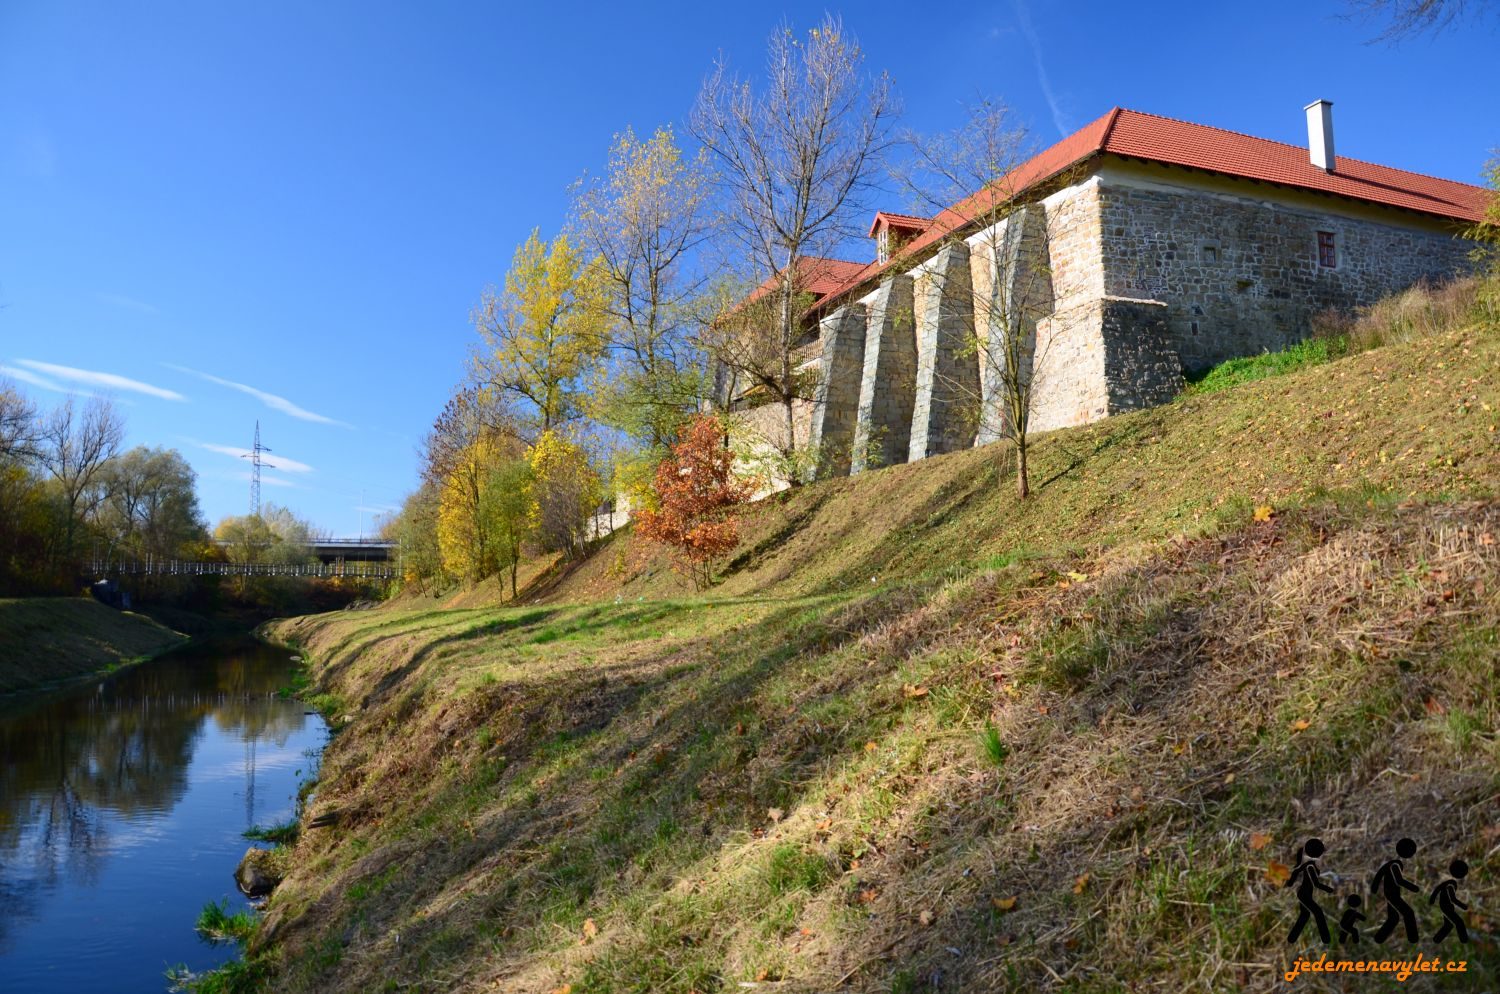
698 498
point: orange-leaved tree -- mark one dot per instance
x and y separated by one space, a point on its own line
698 499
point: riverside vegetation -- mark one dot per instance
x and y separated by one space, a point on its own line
924 736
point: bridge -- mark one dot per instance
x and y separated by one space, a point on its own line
334 550
357 569
364 559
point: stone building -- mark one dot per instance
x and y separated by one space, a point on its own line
1134 251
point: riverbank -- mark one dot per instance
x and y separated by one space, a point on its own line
925 737
51 640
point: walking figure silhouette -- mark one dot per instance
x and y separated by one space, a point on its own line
1446 896
1388 881
1305 876
1348 929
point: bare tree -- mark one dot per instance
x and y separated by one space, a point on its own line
972 181
642 222
1405 18
76 445
795 162
18 424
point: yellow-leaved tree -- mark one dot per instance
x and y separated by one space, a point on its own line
544 331
565 490
484 511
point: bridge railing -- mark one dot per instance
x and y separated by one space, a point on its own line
356 569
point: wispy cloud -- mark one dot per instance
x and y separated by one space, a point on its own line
377 508
128 303
266 480
270 459
1059 119
27 376
94 378
271 400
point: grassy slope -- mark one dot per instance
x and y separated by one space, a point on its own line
786 783
48 639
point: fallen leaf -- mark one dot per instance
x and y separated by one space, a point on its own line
825 824
1077 577
1179 749
762 975
564 989
866 896
1278 873
1081 882
1003 903
1228 779
1264 512
1301 725
589 930
774 814
912 690
1259 840
1433 706
870 747
925 918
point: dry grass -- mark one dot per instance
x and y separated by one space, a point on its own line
789 784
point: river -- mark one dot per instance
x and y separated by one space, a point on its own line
122 807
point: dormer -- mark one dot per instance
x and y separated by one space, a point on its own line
891 231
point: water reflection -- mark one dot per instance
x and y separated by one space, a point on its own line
132 793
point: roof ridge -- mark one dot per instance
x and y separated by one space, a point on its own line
1272 141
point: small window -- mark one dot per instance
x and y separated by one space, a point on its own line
883 245
1328 255
1195 327
1210 253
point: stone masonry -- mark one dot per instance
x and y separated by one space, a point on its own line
947 366
1119 284
888 379
836 403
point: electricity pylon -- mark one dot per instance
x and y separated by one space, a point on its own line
254 457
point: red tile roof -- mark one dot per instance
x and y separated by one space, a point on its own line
819 277
1132 134
895 220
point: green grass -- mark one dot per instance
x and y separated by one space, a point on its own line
48 640
1312 352
283 834
216 923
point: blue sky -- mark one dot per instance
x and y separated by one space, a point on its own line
286 211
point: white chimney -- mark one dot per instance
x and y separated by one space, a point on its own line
1320 134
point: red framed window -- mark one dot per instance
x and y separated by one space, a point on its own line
1328 253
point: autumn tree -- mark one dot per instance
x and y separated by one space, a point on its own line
565 490
970 181
795 160
643 222
468 542
698 500
542 332
414 530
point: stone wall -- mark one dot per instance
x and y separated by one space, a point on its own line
836 403
888 379
947 363
1238 267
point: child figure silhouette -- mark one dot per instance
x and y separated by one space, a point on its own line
1446 896
1305 876
1388 882
1348 927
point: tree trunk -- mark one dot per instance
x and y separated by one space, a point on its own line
1023 477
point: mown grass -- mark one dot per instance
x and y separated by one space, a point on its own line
1069 768
47 640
